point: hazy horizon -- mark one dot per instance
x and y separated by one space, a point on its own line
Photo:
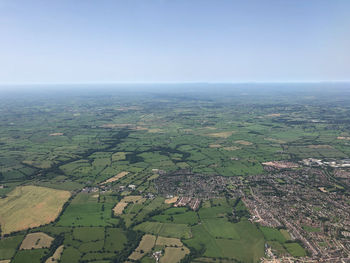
174 41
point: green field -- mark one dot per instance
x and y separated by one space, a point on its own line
272 234
165 229
9 245
295 249
85 210
246 244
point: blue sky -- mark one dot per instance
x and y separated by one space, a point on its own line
61 41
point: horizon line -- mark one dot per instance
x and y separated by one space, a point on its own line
171 82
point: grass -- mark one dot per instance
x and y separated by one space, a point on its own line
214 212
247 247
189 217
9 245
98 257
165 229
311 229
278 247
70 255
34 255
273 234
87 234
94 246
285 233
220 227
30 206
115 239
295 249
85 210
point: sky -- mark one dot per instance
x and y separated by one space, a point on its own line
102 41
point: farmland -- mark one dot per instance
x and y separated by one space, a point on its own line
194 176
30 206
36 240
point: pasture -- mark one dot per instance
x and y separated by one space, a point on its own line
295 249
9 245
86 210
273 234
165 229
245 244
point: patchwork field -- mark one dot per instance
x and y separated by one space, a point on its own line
122 156
30 206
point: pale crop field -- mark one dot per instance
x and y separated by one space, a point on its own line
56 256
169 242
119 208
30 206
146 245
36 240
174 254
115 178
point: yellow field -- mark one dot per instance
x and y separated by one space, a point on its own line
171 200
155 130
146 245
221 134
274 115
5 261
168 242
56 134
242 142
214 146
30 206
115 178
36 240
232 148
56 256
343 138
119 208
174 254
